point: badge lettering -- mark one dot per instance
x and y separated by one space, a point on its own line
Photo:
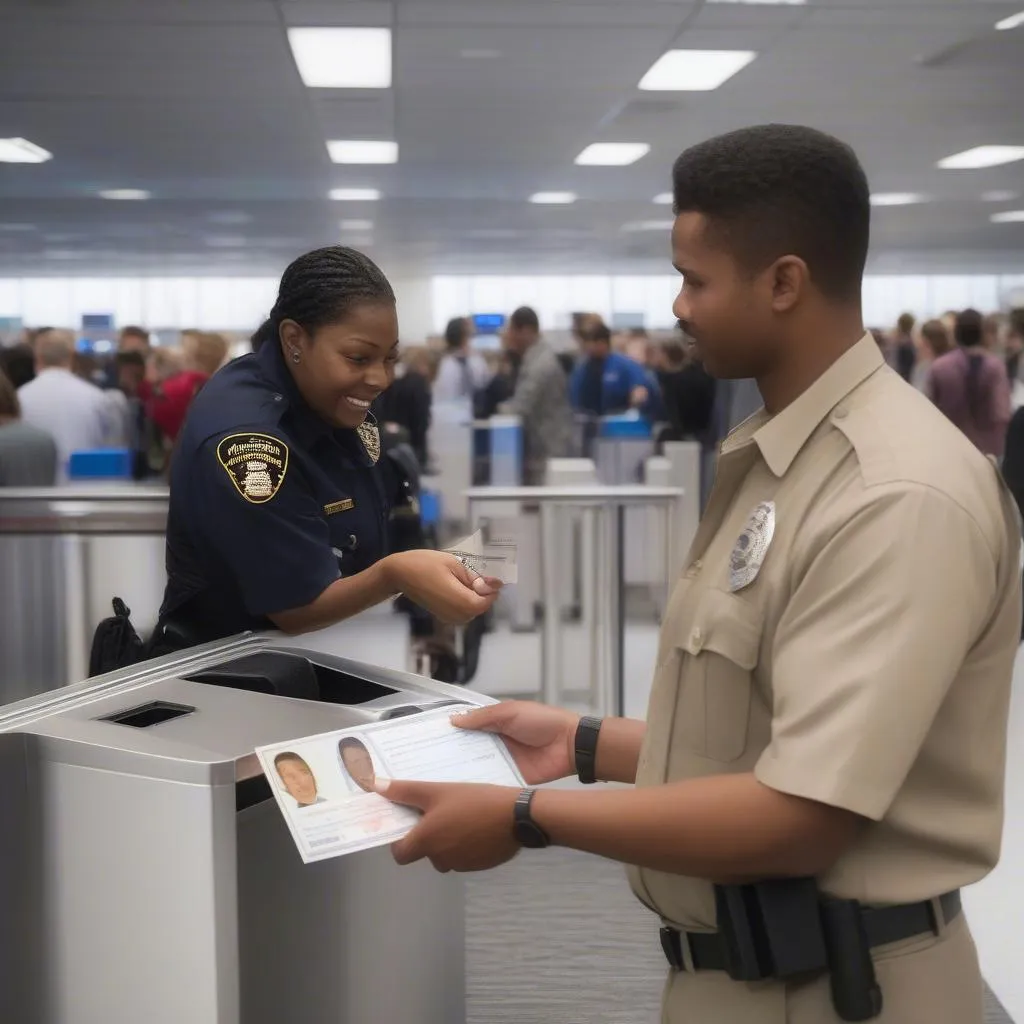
256 464
339 506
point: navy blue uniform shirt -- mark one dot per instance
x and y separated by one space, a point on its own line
269 504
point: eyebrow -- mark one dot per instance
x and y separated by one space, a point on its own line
374 345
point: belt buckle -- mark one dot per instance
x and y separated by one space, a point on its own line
675 944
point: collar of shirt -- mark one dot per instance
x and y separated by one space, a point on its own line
304 424
781 437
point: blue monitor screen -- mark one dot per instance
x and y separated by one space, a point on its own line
97 322
488 323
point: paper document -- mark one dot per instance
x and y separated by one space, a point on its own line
496 557
324 784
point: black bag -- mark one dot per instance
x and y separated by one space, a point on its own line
115 644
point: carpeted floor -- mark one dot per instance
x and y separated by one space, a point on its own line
557 938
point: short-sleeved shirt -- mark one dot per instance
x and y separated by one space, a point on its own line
269 504
846 630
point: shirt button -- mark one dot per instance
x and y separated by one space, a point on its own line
840 413
697 640
278 398
353 542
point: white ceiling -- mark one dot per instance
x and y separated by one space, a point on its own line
199 102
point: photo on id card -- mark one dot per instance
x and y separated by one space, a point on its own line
324 785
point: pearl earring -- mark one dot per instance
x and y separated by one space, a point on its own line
296 358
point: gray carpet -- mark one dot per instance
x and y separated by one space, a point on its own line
557 938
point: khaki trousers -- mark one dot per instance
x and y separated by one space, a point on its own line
926 980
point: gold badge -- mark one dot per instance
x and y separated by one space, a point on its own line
256 464
752 546
370 436
339 506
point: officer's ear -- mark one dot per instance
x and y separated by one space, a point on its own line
293 338
789 280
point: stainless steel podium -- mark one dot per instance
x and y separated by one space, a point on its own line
147 877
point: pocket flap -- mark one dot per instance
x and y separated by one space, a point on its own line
727 625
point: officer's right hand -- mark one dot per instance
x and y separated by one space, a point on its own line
439 582
540 738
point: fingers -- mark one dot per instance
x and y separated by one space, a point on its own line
485 586
494 718
407 850
408 794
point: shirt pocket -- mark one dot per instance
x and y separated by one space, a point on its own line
717 659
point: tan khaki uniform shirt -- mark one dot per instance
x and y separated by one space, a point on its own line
868 665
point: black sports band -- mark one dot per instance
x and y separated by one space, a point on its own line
585 744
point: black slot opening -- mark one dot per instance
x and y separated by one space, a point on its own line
145 715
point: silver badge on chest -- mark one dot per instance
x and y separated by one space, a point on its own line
751 547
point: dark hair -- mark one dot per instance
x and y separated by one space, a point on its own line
322 288
935 333
135 358
524 318
135 332
9 404
19 363
905 324
969 330
1016 319
779 189
352 743
289 755
456 332
596 330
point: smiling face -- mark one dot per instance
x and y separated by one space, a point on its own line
343 367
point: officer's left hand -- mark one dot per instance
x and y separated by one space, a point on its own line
465 827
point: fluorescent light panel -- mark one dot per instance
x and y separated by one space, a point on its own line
982 156
612 154
1013 21
21 151
694 70
125 194
342 58
355 195
347 151
664 199
553 198
896 198
1008 217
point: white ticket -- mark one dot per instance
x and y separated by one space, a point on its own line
495 558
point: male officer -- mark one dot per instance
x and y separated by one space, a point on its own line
828 716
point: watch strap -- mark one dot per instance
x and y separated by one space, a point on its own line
585 744
525 829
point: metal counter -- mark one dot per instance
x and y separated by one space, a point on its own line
147 876
65 552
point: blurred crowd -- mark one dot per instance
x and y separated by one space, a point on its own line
57 399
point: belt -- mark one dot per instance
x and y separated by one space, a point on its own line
882 926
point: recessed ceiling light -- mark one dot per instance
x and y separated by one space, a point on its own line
998 195
612 154
351 152
479 54
356 225
896 198
649 225
982 156
21 151
126 194
1008 217
664 199
1013 21
343 58
355 195
694 70
553 198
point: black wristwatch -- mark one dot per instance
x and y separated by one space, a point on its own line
585 745
527 832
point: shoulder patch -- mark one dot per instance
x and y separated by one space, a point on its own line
256 464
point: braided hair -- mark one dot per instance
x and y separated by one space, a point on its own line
323 287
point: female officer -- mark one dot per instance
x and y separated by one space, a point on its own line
279 511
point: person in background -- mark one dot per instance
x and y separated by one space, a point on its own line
904 352
462 373
500 388
992 333
1014 342
19 363
541 396
177 379
932 341
74 412
687 394
638 347
133 339
407 402
970 386
606 383
28 455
